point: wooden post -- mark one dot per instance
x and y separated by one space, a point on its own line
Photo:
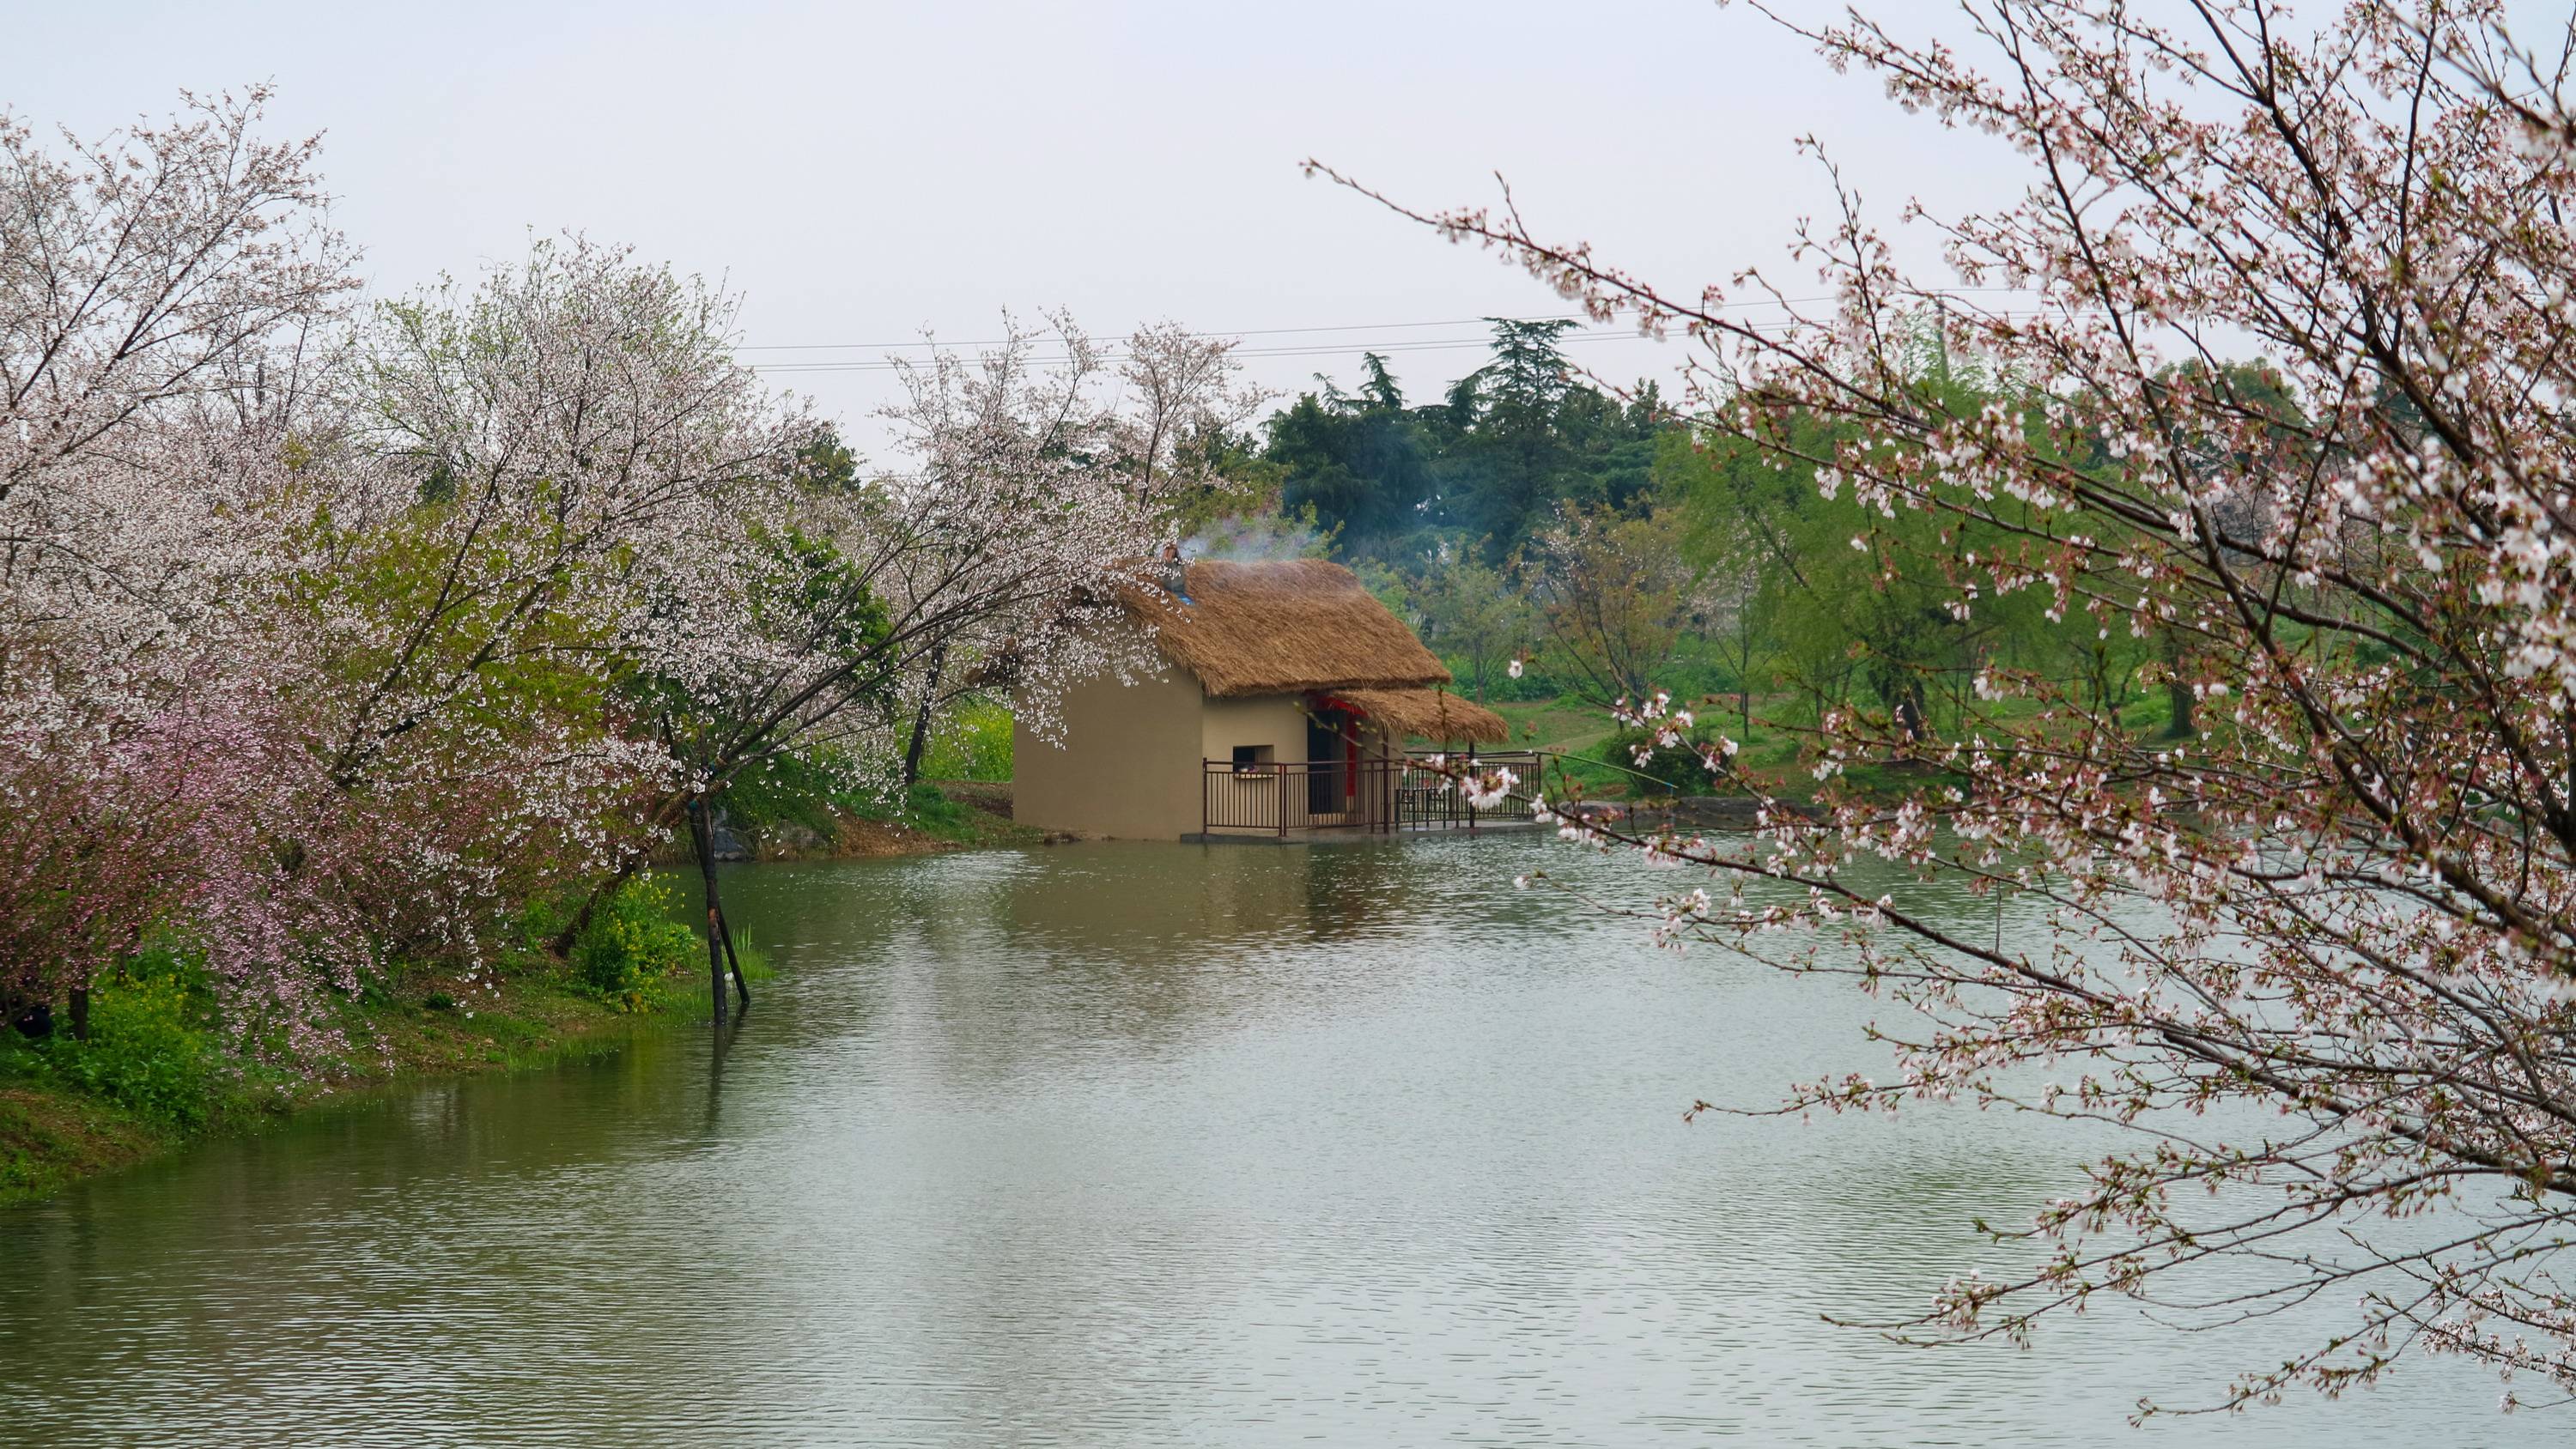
741 983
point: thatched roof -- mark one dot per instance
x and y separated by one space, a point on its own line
1432 714
1283 628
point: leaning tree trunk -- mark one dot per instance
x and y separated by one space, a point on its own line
580 922
741 983
912 752
702 834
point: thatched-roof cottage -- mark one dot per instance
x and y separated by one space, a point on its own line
1283 706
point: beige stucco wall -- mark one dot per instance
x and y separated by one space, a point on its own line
1129 765
1377 744
1277 720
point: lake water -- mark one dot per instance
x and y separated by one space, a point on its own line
1127 1145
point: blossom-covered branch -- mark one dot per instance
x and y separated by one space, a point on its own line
2315 950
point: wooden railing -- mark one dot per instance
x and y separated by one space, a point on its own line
1430 797
1375 795
1284 798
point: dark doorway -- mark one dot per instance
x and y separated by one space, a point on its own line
1327 774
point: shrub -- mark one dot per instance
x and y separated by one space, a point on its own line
973 743
148 1049
1665 770
791 789
632 945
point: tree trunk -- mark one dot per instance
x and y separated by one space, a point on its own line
702 833
80 1013
580 921
921 719
1910 720
741 985
2180 707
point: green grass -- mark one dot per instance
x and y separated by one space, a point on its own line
150 1051
925 807
158 1071
800 807
950 812
51 1138
1556 726
973 743
1581 741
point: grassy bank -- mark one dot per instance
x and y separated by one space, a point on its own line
155 1075
160 1069
937 816
800 807
799 811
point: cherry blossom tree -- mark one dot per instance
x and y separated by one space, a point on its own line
549 451
327 646
1048 479
2316 954
853 606
529 471
166 296
314 643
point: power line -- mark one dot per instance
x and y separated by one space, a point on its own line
1337 349
918 344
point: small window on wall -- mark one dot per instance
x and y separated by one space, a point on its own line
1250 759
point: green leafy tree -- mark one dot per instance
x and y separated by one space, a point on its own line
1855 598
1356 462
1614 597
1511 466
1471 613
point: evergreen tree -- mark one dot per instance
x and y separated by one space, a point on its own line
1356 461
1513 464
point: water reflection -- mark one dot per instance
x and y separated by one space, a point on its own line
1119 1145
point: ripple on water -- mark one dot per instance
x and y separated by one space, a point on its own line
1121 1145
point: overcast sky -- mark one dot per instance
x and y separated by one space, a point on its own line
862 171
